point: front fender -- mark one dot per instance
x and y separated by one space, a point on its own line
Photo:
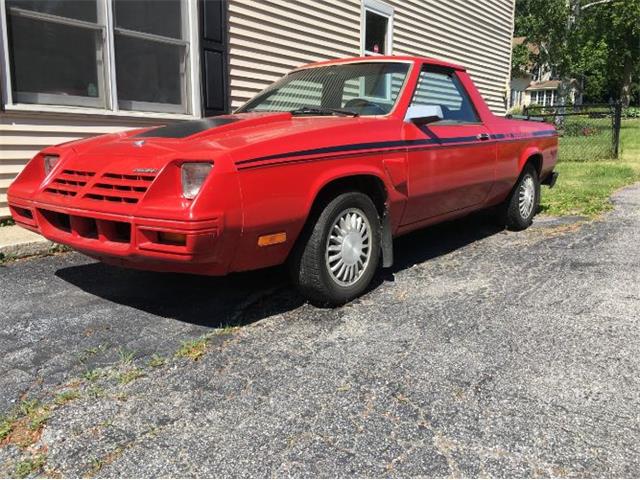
279 199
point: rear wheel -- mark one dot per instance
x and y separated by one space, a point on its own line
338 256
523 202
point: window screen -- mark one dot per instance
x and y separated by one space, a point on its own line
59 49
375 38
56 60
151 55
442 88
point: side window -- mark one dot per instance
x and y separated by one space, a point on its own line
443 89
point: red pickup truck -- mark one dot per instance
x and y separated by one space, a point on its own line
320 170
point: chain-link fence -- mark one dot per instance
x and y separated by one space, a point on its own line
587 132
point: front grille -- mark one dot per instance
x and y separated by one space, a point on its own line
69 182
121 188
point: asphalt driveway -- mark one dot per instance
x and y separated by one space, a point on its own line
482 353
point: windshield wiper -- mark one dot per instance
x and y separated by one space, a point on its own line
308 110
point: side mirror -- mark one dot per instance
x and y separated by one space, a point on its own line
423 114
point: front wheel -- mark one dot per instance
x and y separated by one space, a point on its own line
522 204
338 257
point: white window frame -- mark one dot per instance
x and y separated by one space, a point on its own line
384 10
191 67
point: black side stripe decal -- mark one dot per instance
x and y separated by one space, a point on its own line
393 144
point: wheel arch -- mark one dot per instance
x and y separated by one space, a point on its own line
370 183
532 156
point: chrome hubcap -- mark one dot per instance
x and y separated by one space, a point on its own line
348 248
527 197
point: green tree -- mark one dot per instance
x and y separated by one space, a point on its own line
615 27
595 41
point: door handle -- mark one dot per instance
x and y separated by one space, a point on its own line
483 136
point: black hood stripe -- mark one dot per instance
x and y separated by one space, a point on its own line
393 144
186 129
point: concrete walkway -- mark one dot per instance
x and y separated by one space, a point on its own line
17 242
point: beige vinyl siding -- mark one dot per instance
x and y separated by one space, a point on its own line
267 38
22 136
473 33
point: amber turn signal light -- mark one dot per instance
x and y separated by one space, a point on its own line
273 239
169 238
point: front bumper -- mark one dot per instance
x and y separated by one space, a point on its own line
128 241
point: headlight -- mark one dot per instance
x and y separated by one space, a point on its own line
193 176
50 161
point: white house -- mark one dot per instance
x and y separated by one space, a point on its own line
538 86
72 69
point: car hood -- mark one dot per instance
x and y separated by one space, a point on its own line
228 139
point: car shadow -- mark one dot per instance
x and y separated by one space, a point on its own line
243 298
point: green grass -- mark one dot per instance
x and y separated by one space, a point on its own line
66 397
29 466
156 361
192 349
129 375
585 186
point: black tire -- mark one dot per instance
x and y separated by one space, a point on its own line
511 214
308 264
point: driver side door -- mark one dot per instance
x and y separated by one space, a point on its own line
451 166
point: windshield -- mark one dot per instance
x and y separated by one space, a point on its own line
366 88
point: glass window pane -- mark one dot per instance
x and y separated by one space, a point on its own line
296 93
148 71
55 64
444 90
363 88
150 16
375 33
79 9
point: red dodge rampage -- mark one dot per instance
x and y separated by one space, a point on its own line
320 170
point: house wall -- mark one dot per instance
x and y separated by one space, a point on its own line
270 37
474 33
267 38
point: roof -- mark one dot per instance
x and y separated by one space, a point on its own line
533 48
548 85
387 58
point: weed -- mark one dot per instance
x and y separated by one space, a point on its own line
126 356
29 466
92 375
28 407
106 423
96 392
6 425
156 361
121 397
129 375
92 352
38 420
193 349
66 397
96 464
